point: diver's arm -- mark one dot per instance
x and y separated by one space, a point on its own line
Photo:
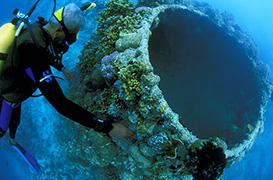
53 93
51 90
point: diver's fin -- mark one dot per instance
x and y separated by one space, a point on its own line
28 157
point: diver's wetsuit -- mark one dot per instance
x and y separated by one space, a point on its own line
50 88
9 120
34 72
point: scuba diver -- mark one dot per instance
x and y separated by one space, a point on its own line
27 68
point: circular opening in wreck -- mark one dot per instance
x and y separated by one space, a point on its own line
206 77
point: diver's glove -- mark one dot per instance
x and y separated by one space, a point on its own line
102 124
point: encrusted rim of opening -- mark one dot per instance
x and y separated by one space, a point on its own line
249 46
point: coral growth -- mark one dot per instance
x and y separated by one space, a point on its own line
131 40
117 16
95 80
153 3
127 88
131 78
90 56
159 141
107 67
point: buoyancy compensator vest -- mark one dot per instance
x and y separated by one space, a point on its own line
9 31
15 84
8 34
8 49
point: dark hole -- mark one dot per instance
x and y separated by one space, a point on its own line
206 76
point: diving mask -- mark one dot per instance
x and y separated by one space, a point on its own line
70 38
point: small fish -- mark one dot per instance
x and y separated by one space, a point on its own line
7 163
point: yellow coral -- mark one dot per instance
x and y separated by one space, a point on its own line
141 129
131 78
134 85
163 107
141 106
127 92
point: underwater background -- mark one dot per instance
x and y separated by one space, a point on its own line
41 124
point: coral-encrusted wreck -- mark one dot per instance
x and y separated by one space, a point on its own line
184 78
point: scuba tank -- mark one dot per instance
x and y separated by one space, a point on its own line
7 34
9 31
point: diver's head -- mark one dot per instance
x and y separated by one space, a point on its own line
66 23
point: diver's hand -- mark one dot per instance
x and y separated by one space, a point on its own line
120 131
67 74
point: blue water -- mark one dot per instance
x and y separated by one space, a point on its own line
254 17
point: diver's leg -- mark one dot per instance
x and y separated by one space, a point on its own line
1 99
6 112
14 122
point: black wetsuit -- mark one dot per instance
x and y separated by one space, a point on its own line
50 87
32 72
